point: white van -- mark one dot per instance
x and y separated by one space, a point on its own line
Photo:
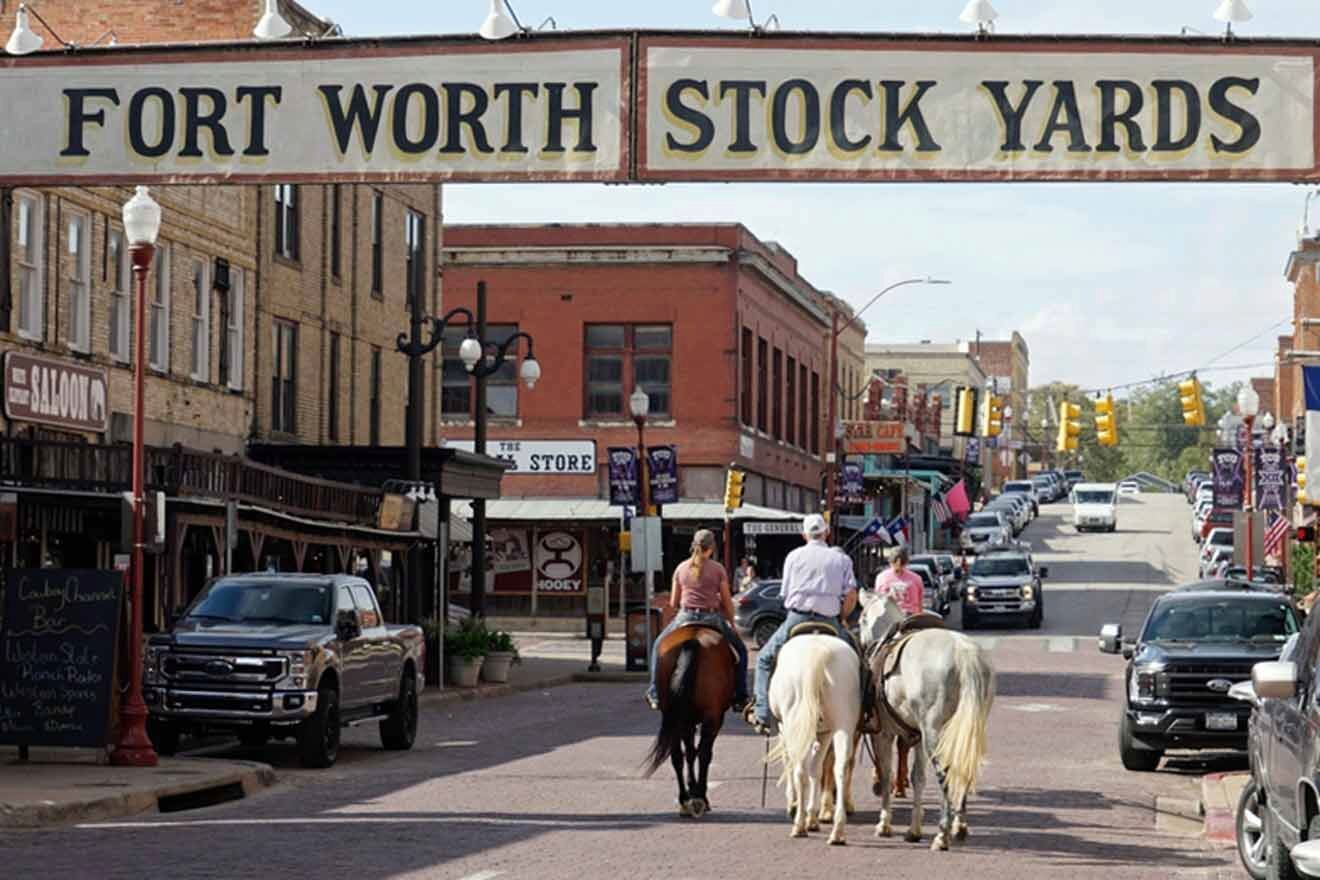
1095 506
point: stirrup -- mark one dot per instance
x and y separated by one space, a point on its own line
653 702
749 715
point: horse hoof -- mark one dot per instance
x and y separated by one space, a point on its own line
877 789
960 833
838 840
884 831
939 844
685 808
913 837
798 832
813 826
698 808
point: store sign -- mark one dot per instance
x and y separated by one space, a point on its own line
55 392
772 528
556 457
559 562
876 438
666 107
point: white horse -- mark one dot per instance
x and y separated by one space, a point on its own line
816 695
943 687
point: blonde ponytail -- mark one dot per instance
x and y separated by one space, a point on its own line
701 542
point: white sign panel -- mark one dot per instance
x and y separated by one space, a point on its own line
404 111
539 456
772 528
874 109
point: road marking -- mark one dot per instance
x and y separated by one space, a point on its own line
1062 645
606 823
456 743
1034 707
483 875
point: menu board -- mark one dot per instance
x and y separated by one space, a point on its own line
58 632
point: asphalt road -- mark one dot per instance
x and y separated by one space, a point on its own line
546 784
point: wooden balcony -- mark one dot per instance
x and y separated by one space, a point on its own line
185 473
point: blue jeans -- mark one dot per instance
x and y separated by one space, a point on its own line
685 617
765 661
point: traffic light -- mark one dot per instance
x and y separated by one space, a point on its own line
1106 421
1069 426
992 416
1301 479
733 489
1305 534
1193 405
964 424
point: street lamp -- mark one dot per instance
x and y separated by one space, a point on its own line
832 459
743 9
1230 11
639 404
981 14
141 226
272 25
1248 405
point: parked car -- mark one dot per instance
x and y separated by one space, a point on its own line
1014 509
954 569
1129 487
984 530
1095 507
285 655
1004 583
930 587
1073 478
1285 760
759 610
1026 489
944 591
1195 643
1215 563
1260 574
1215 519
1044 487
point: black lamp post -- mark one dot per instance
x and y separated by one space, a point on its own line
483 359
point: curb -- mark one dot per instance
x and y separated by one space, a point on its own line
456 694
1220 816
611 677
251 777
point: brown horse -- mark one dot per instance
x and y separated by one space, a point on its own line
695 681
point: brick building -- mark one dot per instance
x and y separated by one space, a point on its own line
942 368
1303 270
1007 364
1283 382
726 336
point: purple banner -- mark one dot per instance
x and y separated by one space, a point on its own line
973 451
662 467
1271 478
851 488
623 475
1227 467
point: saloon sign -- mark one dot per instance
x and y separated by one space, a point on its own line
55 392
638 106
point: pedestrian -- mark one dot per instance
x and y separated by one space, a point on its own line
818 585
746 574
902 585
700 594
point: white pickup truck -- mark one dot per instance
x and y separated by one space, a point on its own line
1095 507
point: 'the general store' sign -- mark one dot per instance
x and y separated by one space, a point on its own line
55 392
557 457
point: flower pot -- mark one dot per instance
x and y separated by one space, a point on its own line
496 667
463 672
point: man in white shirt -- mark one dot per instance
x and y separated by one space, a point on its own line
818 585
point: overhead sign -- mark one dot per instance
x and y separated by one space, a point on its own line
55 392
539 456
665 107
876 438
394 110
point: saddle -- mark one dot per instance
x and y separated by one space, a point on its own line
709 630
884 658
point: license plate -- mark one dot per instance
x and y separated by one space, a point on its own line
1221 721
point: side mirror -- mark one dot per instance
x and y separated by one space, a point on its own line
346 626
1111 638
1044 572
1275 681
1244 691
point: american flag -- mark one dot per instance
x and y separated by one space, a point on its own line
941 509
1274 535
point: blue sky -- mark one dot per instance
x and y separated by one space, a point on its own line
1108 283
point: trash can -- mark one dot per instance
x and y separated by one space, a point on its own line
637 652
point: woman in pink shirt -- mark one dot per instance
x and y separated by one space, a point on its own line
902 586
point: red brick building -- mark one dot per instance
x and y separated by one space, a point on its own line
720 329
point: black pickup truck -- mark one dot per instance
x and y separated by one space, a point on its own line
1196 643
284 655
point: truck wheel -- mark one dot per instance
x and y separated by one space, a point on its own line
1278 863
1038 616
1134 757
164 736
318 736
1250 832
763 632
399 730
970 618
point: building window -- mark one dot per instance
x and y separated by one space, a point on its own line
777 403
336 231
117 259
31 263
815 413
159 343
375 396
618 352
286 220
746 377
231 367
80 294
377 218
201 323
762 382
332 390
456 382
803 410
790 417
415 256
284 381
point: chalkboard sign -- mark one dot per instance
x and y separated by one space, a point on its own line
59 630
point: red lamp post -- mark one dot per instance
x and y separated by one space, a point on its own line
1248 405
141 226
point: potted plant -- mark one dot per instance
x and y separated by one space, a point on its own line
465 648
501 653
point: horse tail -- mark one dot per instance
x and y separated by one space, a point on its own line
797 735
678 713
961 745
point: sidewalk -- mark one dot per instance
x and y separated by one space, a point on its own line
56 788
1219 797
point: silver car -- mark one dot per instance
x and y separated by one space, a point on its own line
984 530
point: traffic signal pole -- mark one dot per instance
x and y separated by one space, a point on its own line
832 458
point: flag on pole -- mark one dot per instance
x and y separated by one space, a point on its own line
876 533
940 508
898 530
959 504
1274 535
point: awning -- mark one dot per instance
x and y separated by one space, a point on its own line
600 510
460 530
931 481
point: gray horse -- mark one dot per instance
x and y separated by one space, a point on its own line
943 687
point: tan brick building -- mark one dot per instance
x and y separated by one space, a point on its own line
1007 365
1303 270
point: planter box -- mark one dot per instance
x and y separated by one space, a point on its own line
496 667
464 672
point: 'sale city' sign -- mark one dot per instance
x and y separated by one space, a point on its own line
663 107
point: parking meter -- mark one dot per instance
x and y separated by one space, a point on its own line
596 608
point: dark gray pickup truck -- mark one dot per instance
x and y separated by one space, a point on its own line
285 655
